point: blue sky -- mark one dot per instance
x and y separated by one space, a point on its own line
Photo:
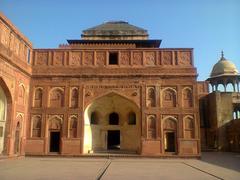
208 26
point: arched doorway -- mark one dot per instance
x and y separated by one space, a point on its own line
5 116
55 126
107 126
170 135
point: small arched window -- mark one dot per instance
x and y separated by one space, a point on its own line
113 119
94 118
132 118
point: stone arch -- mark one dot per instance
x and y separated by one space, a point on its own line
72 126
230 86
56 97
187 97
168 97
6 114
220 87
151 126
96 136
55 123
18 133
109 93
170 130
151 97
74 97
189 127
36 126
38 97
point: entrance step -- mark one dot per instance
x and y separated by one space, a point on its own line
114 152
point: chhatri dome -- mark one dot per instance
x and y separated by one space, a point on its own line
224 72
224 67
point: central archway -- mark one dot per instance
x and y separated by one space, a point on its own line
5 117
109 125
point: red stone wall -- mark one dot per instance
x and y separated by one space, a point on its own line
54 86
15 70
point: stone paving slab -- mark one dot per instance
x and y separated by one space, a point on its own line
212 166
152 170
50 168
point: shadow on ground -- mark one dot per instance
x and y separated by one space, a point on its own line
224 159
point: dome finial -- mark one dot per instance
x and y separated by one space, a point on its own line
222 55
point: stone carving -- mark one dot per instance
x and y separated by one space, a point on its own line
42 58
135 93
58 59
55 123
150 58
38 95
187 97
137 58
170 124
88 93
100 58
76 58
150 97
169 97
74 98
184 58
73 127
57 97
167 58
151 126
88 58
125 58
36 125
5 35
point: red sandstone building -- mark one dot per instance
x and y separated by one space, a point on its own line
112 90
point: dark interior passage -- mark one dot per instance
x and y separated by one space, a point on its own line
113 141
54 141
170 142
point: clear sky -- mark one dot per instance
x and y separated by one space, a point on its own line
208 26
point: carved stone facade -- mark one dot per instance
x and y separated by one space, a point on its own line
81 102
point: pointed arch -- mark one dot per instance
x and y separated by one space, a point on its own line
18 133
38 96
111 93
55 122
168 97
74 97
187 97
170 130
72 126
151 97
7 114
110 106
151 126
56 97
36 126
189 126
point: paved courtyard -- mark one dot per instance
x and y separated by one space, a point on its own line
211 166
